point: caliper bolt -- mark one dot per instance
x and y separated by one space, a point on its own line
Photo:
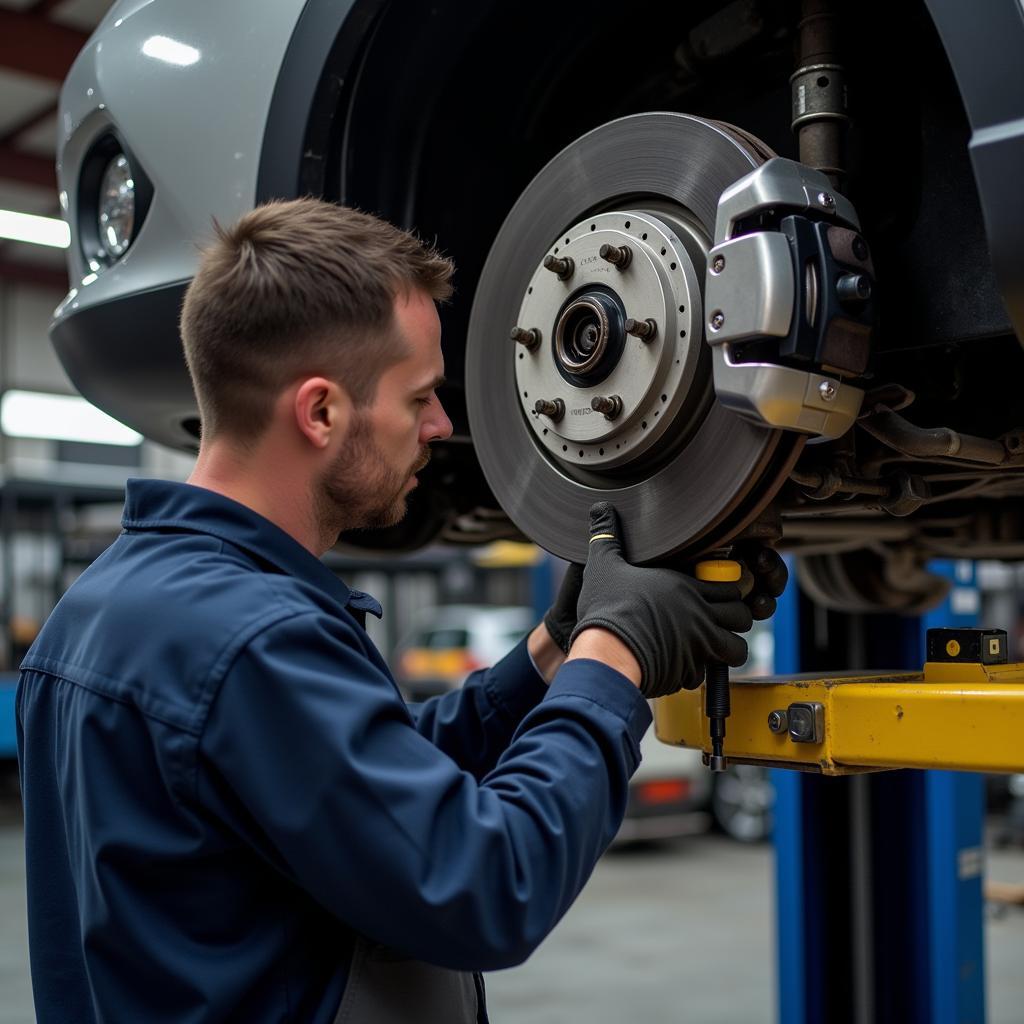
561 265
611 406
827 200
854 288
528 337
717 320
645 330
618 255
827 390
554 410
718 265
778 721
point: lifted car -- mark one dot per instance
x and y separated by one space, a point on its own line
748 269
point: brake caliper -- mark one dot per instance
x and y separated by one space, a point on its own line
788 301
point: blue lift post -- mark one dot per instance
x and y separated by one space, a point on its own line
878 876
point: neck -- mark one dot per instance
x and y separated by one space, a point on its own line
276 485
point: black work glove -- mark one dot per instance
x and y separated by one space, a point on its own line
673 623
763 577
560 618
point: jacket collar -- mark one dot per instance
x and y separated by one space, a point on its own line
163 504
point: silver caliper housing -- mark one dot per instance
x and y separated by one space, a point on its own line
579 347
757 289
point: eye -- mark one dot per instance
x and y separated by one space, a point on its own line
425 401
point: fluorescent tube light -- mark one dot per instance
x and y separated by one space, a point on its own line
60 418
27 227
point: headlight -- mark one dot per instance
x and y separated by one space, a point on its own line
113 198
116 207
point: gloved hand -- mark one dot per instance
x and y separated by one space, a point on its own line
673 623
763 577
560 618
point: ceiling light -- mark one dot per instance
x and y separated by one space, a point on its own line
27 227
60 418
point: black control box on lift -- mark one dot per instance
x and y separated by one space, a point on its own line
976 646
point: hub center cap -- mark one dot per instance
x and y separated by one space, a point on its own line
616 305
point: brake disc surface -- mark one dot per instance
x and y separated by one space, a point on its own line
624 218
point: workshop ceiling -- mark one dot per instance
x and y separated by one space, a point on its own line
39 40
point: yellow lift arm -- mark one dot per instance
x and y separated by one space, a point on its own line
956 714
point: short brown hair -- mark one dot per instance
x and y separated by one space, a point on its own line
293 288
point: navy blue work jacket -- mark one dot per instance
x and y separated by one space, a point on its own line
222 784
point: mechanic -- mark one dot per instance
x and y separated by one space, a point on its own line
230 812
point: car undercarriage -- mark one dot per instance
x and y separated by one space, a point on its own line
724 264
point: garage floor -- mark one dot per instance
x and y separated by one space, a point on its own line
677 933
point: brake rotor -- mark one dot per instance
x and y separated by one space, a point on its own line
607 392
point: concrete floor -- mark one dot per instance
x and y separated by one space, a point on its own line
676 933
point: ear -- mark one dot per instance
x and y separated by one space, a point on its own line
322 410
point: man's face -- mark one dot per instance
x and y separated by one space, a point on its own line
387 443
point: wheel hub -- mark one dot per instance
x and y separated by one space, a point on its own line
585 313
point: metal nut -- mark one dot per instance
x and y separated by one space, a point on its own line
645 330
718 264
827 390
553 409
717 321
529 338
562 266
618 255
611 406
778 721
827 200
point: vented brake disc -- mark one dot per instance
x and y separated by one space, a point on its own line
606 391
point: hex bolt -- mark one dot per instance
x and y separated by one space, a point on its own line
611 406
778 721
717 321
827 200
645 330
718 264
563 266
853 289
529 338
827 390
554 410
618 255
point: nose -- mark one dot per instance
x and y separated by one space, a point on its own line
436 425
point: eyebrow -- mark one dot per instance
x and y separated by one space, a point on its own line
437 382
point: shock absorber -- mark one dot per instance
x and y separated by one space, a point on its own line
819 92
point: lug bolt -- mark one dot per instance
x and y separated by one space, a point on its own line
827 390
618 255
778 721
611 406
645 330
561 265
854 288
717 321
827 200
527 337
554 410
718 265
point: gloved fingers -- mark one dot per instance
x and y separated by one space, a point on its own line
605 529
762 607
729 647
718 593
734 616
572 581
770 572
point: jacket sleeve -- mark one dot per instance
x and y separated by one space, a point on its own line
475 723
309 752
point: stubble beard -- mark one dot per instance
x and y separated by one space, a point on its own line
361 490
